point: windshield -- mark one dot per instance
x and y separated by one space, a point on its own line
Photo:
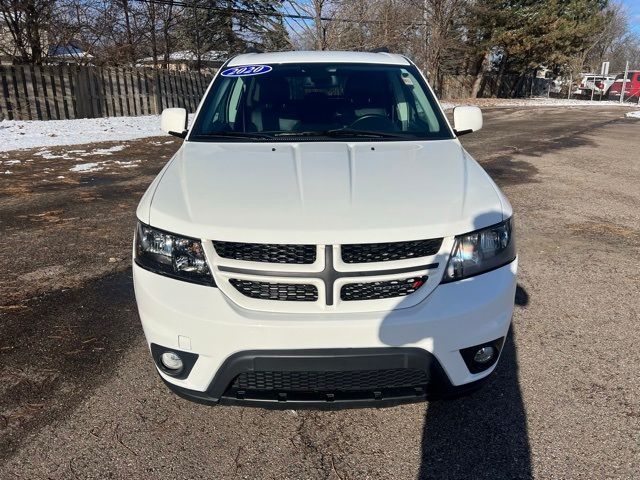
312 102
621 76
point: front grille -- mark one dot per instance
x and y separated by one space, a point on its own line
314 381
286 292
266 252
386 252
382 289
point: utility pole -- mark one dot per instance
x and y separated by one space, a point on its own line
604 71
624 82
425 33
321 33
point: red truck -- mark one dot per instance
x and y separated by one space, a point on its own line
631 87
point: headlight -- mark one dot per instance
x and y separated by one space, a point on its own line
478 252
171 255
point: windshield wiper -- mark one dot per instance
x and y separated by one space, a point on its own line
253 135
364 133
344 132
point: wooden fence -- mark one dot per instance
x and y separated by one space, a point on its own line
60 92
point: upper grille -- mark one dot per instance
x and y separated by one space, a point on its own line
385 252
382 289
313 381
288 292
265 252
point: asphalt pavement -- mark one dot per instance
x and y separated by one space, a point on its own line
79 397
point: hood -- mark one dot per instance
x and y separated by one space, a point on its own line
323 192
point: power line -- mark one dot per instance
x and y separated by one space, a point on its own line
294 16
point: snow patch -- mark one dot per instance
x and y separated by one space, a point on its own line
635 114
12 162
531 102
104 151
18 134
127 164
50 156
86 167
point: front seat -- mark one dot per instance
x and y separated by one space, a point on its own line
273 112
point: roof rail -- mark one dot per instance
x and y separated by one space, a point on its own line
380 50
252 50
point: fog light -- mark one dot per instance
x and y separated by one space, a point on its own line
171 361
484 355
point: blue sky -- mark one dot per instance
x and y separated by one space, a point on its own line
634 13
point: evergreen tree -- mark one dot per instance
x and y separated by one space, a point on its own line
231 25
275 38
522 35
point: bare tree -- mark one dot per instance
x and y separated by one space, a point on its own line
153 31
27 22
443 44
429 30
615 43
312 35
168 20
161 20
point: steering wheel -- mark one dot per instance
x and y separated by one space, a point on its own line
372 121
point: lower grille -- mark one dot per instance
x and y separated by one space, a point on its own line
286 292
327 381
381 290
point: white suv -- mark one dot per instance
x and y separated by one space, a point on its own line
322 239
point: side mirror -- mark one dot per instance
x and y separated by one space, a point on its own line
174 122
466 120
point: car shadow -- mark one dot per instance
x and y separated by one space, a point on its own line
483 435
480 435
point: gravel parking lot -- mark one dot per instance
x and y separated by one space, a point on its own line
79 397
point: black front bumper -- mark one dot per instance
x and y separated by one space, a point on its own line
327 379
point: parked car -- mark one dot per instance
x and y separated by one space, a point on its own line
321 238
581 86
596 83
631 87
601 85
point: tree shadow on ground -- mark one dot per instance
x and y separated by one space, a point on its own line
58 349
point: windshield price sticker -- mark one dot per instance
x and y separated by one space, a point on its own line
246 71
